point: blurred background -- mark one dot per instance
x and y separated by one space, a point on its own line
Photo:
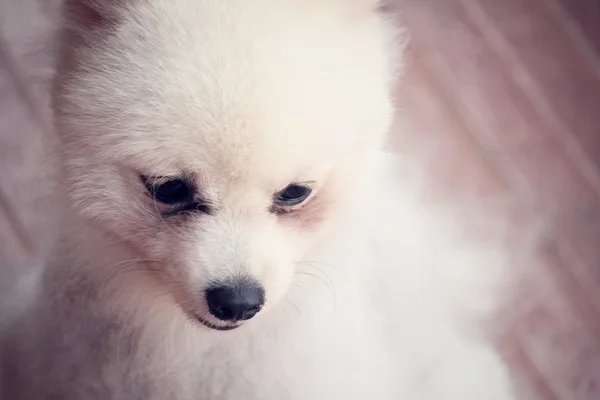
502 95
505 96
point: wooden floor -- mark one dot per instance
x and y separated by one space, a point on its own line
507 95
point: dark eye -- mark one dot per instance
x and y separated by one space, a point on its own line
292 195
173 191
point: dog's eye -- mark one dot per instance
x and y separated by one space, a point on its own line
292 195
173 191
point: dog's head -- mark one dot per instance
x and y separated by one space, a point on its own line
218 138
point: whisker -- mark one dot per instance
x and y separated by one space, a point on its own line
321 263
293 306
326 283
316 267
127 264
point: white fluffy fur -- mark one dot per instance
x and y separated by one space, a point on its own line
369 290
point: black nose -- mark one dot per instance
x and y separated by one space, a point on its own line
235 303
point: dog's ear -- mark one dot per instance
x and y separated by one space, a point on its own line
88 15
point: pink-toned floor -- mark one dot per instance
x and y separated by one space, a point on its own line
506 93
509 93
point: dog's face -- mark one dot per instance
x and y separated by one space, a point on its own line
219 139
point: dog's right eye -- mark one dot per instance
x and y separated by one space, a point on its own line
292 195
172 191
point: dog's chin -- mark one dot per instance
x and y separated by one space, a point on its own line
217 326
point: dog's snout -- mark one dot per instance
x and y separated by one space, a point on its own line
235 303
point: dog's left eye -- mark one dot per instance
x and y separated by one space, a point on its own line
292 195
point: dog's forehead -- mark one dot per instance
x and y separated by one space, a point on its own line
225 161
232 114
230 96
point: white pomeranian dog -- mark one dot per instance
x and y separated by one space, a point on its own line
232 230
